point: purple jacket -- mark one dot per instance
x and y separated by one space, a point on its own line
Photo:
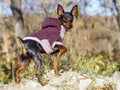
51 34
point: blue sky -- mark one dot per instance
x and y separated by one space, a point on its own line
93 8
4 9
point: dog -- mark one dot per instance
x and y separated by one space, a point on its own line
48 40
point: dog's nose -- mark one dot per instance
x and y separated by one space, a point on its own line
70 25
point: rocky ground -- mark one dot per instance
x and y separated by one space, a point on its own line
69 80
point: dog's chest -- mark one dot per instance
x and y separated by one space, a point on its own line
62 32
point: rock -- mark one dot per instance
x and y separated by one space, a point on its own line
118 85
99 82
32 84
71 77
116 76
84 84
11 87
69 80
47 87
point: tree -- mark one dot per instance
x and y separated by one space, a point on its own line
116 5
18 18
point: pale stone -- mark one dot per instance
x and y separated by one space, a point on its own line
84 84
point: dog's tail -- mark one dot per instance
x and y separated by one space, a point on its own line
24 50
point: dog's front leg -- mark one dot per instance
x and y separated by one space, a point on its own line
62 50
55 65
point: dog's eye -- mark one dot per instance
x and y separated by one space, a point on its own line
67 19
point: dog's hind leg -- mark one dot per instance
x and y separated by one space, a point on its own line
38 63
22 65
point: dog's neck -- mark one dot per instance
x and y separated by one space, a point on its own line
63 31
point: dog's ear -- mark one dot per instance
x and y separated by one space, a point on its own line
74 10
24 50
60 10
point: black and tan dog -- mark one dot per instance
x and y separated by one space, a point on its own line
48 40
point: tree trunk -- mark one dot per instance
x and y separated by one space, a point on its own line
18 18
116 5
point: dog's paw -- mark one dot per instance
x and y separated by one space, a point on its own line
17 81
43 83
57 74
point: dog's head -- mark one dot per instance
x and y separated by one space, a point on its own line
66 18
